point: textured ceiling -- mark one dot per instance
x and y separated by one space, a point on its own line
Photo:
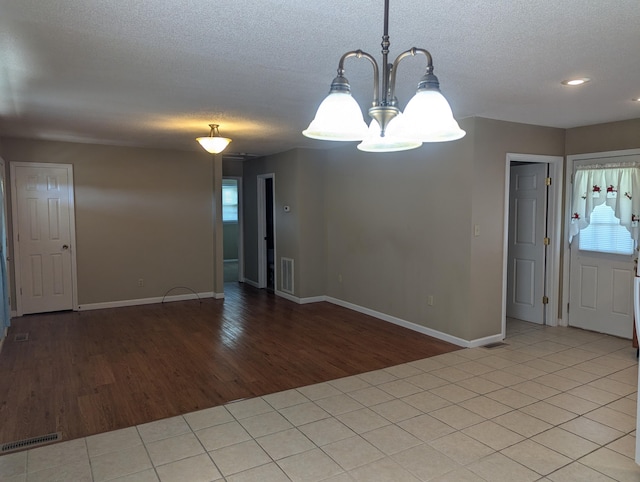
157 72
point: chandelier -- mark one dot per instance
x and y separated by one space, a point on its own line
214 143
426 118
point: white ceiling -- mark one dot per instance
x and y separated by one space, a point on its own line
157 72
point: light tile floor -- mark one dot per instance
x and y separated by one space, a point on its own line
553 404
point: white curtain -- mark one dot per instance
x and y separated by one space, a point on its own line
617 185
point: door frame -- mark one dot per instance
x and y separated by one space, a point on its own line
554 231
238 179
567 218
262 230
5 259
14 228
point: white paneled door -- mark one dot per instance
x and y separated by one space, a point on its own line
601 283
43 198
601 294
526 252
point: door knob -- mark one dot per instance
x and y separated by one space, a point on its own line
65 247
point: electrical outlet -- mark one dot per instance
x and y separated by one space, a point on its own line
339 278
140 282
430 300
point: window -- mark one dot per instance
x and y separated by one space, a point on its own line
605 234
230 200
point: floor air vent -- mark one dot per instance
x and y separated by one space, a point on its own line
29 443
21 337
495 345
286 266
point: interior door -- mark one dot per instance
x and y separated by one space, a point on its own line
43 237
526 251
601 284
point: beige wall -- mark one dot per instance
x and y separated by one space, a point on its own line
299 233
612 136
493 140
382 231
397 231
140 213
400 226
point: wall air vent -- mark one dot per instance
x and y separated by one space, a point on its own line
286 268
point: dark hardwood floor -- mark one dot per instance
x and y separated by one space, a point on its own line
83 373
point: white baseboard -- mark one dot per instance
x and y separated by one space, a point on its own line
485 341
300 301
251 283
148 301
400 322
3 337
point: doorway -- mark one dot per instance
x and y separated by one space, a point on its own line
232 229
526 267
600 268
531 255
266 232
43 237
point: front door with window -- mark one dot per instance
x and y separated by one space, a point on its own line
602 246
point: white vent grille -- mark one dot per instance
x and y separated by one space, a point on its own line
286 268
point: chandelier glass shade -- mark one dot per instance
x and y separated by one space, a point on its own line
214 143
427 116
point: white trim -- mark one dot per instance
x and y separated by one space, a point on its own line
251 283
396 321
554 231
240 226
149 301
3 337
300 301
262 230
485 341
400 322
571 160
7 258
72 230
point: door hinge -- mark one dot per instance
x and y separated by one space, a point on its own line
567 307
547 181
547 241
545 300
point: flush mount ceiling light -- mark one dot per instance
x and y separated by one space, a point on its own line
580 81
215 143
427 117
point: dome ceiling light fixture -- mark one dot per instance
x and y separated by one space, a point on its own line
214 143
580 81
427 117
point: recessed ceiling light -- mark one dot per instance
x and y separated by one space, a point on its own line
580 81
637 99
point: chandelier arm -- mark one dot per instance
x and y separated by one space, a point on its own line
411 52
376 75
